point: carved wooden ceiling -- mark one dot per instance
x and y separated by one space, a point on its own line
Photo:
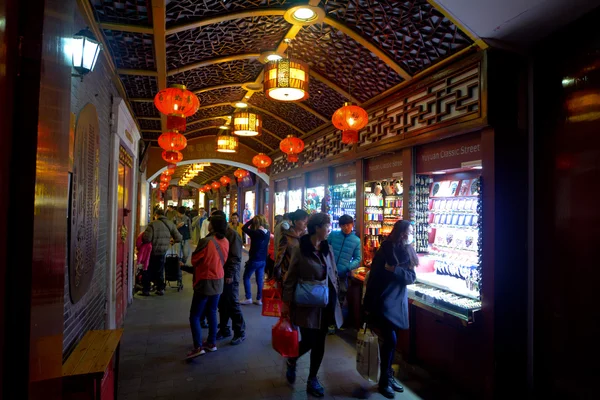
358 51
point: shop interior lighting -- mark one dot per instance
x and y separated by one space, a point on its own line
304 14
241 104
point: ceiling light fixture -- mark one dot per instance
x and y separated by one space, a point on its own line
286 80
304 14
247 123
227 143
274 57
241 104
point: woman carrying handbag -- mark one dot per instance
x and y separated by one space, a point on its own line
310 295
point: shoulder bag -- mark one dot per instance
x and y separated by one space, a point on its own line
312 293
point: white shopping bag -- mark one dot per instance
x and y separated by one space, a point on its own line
367 355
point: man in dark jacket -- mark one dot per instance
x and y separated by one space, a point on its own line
229 303
159 233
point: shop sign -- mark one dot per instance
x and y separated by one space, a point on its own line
85 203
344 174
449 154
384 167
317 178
296 183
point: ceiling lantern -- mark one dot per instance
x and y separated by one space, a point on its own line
240 173
247 123
286 80
206 187
172 141
172 157
262 162
350 119
215 185
177 103
227 143
165 178
225 180
170 169
198 168
292 146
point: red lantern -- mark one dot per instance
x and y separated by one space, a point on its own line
170 169
350 119
172 141
240 173
225 180
261 161
172 156
165 178
177 103
292 146
215 185
206 188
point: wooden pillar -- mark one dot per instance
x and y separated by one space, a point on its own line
360 198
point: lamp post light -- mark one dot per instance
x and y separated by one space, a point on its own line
85 51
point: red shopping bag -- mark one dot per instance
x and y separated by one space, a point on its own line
272 304
270 287
284 337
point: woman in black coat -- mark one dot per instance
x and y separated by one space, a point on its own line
386 300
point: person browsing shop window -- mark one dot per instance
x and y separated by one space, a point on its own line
208 261
259 235
386 299
312 263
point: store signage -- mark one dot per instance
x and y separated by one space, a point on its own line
85 203
344 174
296 183
384 167
448 154
317 178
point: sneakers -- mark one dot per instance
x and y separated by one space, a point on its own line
195 353
331 330
246 302
209 347
314 388
395 385
290 373
223 334
258 302
386 391
238 339
160 292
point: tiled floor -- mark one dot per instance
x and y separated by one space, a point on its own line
157 337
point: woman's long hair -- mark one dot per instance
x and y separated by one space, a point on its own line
397 238
258 221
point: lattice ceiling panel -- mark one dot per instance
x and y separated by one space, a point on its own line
204 113
205 124
186 11
205 132
140 86
224 95
288 111
413 33
149 124
144 109
278 128
219 74
132 12
344 61
131 50
323 99
237 36
255 145
151 135
270 140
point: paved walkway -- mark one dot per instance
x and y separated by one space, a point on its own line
157 337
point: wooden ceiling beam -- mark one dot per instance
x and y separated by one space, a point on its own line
465 29
277 117
257 138
204 120
159 22
140 72
212 61
126 28
333 86
149 119
272 134
222 18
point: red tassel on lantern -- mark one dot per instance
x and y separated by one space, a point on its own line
349 137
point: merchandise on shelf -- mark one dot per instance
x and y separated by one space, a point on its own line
343 201
314 197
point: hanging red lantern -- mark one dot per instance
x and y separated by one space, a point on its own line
165 178
177 103
225 180
240 173
262 162
172 141
292 146
350 119
206 187
172 156
170 169
215 185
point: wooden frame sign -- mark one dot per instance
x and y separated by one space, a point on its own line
317 178
449 154
385 167
344 174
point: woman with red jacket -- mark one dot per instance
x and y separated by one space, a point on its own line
207 266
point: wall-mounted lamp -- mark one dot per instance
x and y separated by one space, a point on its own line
85 49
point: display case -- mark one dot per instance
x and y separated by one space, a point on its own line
343 202
280 203
314 197
449 274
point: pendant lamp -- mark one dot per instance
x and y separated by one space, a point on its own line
247 123
286 80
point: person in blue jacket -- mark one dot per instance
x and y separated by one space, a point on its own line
346 250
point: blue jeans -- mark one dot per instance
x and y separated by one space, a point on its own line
201 303
257 268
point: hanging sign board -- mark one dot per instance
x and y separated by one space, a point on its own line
449 154
296 183
344 174
384 167
281 186
317 178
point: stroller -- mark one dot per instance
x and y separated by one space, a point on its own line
172 269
